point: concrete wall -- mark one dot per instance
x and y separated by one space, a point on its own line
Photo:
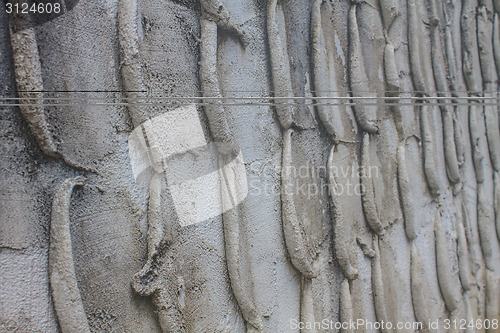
382 209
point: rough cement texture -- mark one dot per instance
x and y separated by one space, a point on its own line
386 211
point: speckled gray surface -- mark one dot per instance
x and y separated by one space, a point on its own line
415 239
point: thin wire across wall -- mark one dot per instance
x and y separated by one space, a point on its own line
317 98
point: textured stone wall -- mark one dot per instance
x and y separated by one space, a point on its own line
370 144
